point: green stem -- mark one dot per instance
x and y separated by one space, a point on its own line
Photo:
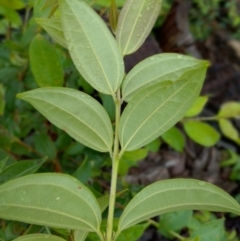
115 162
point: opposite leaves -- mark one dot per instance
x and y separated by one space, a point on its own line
75 112
156 109
92 47
54 200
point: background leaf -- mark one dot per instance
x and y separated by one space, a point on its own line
229 130
45 63
19 169
155 110
97 59
174 138
53 27
2 100
13 4
39 237
197 107
202 133
135 22
174 195
230 109
81 116
174 221
156 69
54 200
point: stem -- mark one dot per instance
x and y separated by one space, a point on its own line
115 162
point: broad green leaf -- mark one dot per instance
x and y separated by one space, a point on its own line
78 114
108 104
175 195
45 63
11 16
13 4
156 109
19 169
39 237
135 22
80 235
228 129
97 58
197 107
53 27
213 230
2 100
174 221
156 69
54 200
202 133
230 109
174 138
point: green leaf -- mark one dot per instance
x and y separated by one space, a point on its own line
2 100
54 200
174 221
213 230
39 237
3 163
174 138
80 235
156 69
230 109
45 63
197 107
130 159
133 233
97 58
109 105
53 27
13 4
201 133
19 169
78 114
175 195
154 145
135 22
228 129
45 146
6 138
156 109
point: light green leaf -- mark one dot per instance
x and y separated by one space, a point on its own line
98 59
135 22
154 145
80 235
45 63
230 109
53 27
77 113
19 169
156 69
202 133
175 195
228 129
156 109
174 138
197 107
54 200
39 237
13 4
